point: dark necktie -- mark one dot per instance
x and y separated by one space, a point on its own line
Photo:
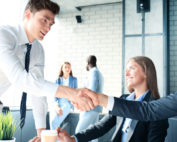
23 100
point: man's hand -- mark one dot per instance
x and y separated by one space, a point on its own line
78 97
97 98
63 136
82 102
39 131
93 96
35 139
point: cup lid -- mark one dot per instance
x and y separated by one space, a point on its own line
49 133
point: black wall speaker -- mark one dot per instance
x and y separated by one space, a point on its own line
143 5
78 19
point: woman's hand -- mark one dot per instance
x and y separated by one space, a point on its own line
63 136
35 139
59 110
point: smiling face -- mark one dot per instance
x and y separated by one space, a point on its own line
38 24
135 76
66 69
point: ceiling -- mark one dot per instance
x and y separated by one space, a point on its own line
74 5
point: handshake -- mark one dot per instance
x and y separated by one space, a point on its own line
86 99
83 99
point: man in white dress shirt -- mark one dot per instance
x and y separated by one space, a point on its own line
38 18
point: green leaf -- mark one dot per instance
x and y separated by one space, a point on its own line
7 126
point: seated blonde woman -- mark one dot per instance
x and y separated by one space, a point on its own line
141 81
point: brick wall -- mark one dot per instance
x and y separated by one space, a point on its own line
100 33
173 44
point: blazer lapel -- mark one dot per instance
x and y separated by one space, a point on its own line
131 129
71 82
61 79
119 121
134 122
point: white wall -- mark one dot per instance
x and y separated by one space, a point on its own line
11 11
148 42
100 34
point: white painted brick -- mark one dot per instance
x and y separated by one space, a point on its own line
99 34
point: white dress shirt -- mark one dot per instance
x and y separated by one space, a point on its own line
12 70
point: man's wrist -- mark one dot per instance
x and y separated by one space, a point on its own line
65 92
103 100
39 131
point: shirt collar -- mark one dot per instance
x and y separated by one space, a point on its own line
22 36
93 68
23 39
140 98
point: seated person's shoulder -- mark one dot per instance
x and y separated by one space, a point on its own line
124 96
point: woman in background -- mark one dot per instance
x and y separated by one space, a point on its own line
63 106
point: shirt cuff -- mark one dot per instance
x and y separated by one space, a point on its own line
110 103
40 122
39 109
76 140
50 89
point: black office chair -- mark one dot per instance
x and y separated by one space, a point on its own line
5 109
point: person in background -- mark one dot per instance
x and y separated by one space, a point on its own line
62 106
141 82
95 83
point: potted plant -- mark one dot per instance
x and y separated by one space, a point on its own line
7 127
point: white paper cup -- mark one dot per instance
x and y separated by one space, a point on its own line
49 136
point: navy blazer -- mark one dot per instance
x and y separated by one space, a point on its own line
139 131
162 108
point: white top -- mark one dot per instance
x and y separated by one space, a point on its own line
12 70
66 81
